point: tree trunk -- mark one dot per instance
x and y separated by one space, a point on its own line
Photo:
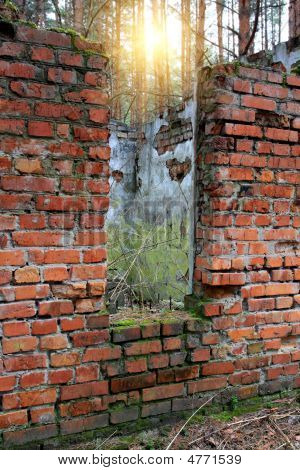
294 19
220 7
188 77
117 88
200 27
244 25
78 15
266 25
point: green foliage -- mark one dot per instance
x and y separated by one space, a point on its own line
296 68
124 323
149 258
28 23
234 403
11 6
69 31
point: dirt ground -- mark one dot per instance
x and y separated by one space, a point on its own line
275 425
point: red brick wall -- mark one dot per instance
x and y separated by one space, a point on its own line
248 240
62 371
53 198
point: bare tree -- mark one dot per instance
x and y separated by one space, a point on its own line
220 8
78 8
200 27
244 25
294 18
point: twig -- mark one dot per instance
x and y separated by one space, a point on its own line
182 428
285 437
242 421
107 439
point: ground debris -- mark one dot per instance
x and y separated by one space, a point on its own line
268 428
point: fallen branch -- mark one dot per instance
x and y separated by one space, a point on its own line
285 437
182 428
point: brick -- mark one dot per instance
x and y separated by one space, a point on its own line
70 58
87 238
13 418
15 107
17 310
32 379
56 111
71 324
163 391
62 256
18 69
33 90
25 165
201 354
12 49
34 361
133 382
7 383
84 424
36 238
59 75
243 130
143 347
40 129
281 134
56 274
16 329
86 134
136 366
87 96
43 415
60 376
23 436
43 54
82 407
156 409
56 308
65 359
29 398
215 368
158 361
28 274
98 321
44 327
87 373
94 255
172 329
12 126
259 103
204 385
54 342
19 344
89 338
270 90
89 389
28 183
121 335
186 373
242 86
100 116
7 222
32 221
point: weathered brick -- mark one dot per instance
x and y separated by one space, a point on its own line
30 398
163 391
133 382
89 389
